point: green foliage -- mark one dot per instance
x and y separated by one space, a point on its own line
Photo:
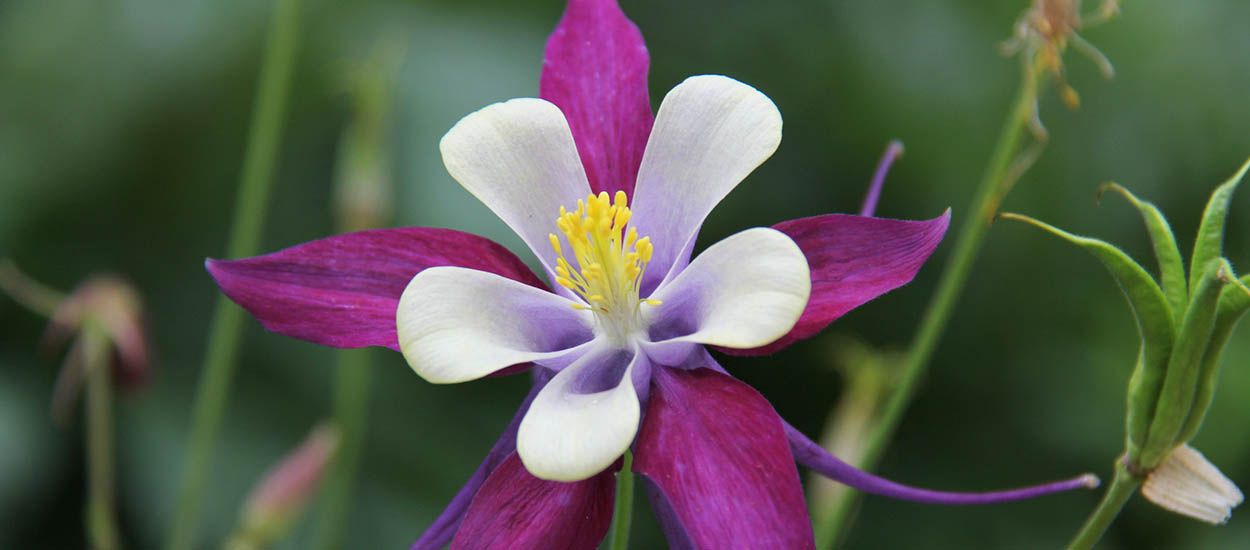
1171 266
1210 242
1155 325
1177 395
1183 328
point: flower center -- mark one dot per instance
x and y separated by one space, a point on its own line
610 261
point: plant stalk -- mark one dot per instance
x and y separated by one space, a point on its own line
101 511
1122 487
1000 174
623 511
351 408
250 206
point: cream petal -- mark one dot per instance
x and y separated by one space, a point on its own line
584 419
709 134
456 324
743 292
518 158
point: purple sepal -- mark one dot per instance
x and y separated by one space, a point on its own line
516 510
717 454
670 524
439 533
812 455
595 70
342 291
853 260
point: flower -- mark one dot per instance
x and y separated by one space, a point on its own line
610 200
106 304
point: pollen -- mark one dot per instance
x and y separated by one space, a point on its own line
608 259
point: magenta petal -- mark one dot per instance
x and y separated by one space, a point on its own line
342 291
516 510
439 533
674 532
717 453
595 71
853 259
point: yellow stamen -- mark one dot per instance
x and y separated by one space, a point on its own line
610 257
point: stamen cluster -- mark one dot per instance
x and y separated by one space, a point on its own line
610 258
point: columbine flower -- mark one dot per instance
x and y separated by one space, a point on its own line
610 200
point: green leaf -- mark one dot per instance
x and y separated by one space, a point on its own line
1171 266
1155 323
1210 242
1185 364
1234 303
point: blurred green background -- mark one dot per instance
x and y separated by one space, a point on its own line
122 129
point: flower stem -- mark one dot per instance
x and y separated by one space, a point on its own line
618 533
1122 487
101 513
250 206
1007 163
28 292
351 407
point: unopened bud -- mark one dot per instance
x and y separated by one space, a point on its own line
1188 484
103 305
285 489
114 306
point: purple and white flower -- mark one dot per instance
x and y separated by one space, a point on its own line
610 199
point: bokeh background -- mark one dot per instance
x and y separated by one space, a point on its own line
122 129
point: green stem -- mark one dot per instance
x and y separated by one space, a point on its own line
351 407
618 533
28 292
1001 172
101 515
866 387
1122 487
250 206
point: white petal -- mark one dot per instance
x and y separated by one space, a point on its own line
584 419
458 324
710 132
743 292
519 159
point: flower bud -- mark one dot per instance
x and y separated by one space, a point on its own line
285 489
115 307
110 305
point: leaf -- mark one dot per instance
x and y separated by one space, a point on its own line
1234 303
1171 266
1155 323
1210 242
1179 390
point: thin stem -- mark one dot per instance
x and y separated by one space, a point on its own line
855 415
618 533
1122 487
997 181
362 201
250 206
351 407
101 514
28 292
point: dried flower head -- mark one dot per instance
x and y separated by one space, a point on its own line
1188 484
